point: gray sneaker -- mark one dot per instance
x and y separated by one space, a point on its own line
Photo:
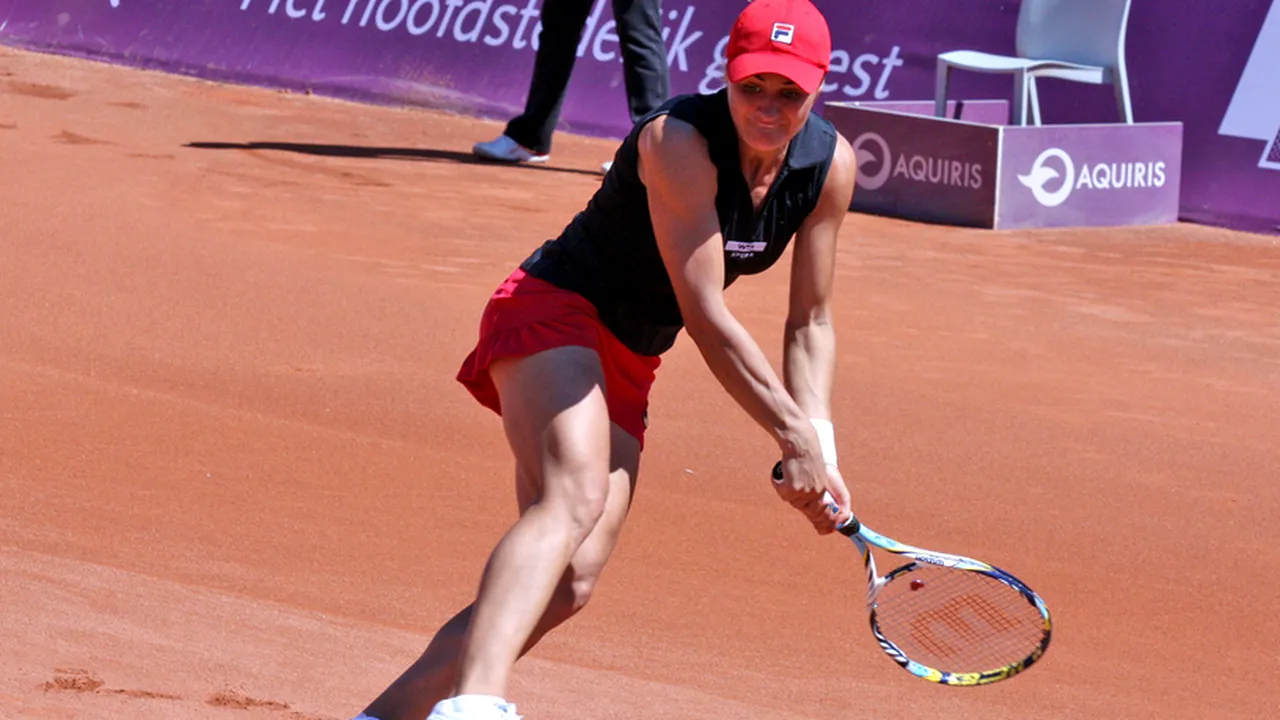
504 149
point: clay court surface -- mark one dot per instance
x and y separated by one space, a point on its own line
238 480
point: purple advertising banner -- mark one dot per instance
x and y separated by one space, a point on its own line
982 174
920 167
1211 65
471 55
1089 175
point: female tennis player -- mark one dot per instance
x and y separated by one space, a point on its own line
703 190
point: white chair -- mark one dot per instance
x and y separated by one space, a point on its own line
1077 40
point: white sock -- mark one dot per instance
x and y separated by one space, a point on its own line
362 716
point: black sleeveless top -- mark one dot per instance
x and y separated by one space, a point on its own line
608 253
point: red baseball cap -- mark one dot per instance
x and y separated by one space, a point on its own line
787 37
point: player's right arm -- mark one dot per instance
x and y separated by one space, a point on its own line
681 182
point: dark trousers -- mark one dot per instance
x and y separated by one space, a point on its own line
644 64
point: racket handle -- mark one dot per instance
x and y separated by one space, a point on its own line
848 528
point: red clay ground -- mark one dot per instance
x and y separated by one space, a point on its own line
237 479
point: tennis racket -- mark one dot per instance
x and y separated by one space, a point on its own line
946 618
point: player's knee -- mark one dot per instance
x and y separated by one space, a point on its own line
577 500
585 507
579 488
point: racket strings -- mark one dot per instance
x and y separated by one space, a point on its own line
958 621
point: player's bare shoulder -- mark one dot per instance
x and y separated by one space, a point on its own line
670 148
844 162
837 191
665 130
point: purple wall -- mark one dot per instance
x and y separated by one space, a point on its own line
473 56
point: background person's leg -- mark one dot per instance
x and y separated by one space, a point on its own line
644 55
562 25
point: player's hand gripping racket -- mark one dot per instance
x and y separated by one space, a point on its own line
946 618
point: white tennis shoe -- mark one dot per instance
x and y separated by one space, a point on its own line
504 149
474 707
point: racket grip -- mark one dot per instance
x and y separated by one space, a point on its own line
848 528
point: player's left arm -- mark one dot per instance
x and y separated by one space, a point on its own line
809 348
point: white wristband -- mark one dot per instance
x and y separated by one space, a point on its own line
826 440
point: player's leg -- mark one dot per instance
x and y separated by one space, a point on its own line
557 423
433 676
579 581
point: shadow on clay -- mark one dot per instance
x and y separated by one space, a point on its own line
356 151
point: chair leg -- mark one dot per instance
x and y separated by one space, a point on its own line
1033 99
1019 109
940 89
1120 79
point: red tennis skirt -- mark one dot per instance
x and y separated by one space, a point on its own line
526 315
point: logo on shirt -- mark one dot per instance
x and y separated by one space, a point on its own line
739 249
783 33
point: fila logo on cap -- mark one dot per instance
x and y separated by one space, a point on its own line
783 33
